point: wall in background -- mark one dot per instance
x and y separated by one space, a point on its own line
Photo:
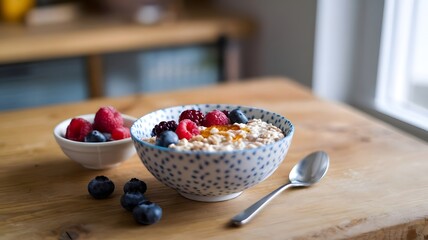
284 42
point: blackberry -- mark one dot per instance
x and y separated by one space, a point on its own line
163 126
225 112
194 115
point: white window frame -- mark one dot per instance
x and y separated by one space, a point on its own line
391 92
349 46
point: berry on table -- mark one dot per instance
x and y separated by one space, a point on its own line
194 115
135 185
120 133
100 187
95 136
164 126
215 117
166 138
147 213
78 129
106 119
131 199
187 129
237 116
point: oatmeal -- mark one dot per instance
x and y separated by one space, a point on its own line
252 134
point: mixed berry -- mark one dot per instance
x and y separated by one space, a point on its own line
194 115
166 138
133 199
237 116
164 126
147 213
216 118
100 187
95 136
78 129
135 185
107 126
129 200
187 129
170 132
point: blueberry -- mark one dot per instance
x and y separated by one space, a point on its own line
100 187
166 138
237 116
131 199
147 213
107 136
135 185
95 136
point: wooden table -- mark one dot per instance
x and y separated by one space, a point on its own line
376 187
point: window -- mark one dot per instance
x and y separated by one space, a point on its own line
402 87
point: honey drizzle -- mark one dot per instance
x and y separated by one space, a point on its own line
222 130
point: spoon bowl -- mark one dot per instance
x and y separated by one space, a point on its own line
310 170
305 173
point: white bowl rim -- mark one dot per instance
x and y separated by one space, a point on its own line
201 152
58 127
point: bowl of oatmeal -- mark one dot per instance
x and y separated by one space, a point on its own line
209 156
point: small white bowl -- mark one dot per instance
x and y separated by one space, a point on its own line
95 155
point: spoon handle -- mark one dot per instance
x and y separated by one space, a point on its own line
246 215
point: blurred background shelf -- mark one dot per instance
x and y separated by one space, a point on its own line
42 83
19 43
115 56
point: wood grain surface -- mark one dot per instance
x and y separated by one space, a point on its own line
376 187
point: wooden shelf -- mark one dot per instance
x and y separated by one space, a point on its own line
92 37
97 36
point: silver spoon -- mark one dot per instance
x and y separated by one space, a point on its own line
305 173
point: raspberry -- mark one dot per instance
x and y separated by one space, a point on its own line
78 129
187 129
215 117
163 126
194 115
106 119
120 133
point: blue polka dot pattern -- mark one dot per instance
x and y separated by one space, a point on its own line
215 173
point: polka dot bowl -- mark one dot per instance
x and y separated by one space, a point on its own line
210 176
